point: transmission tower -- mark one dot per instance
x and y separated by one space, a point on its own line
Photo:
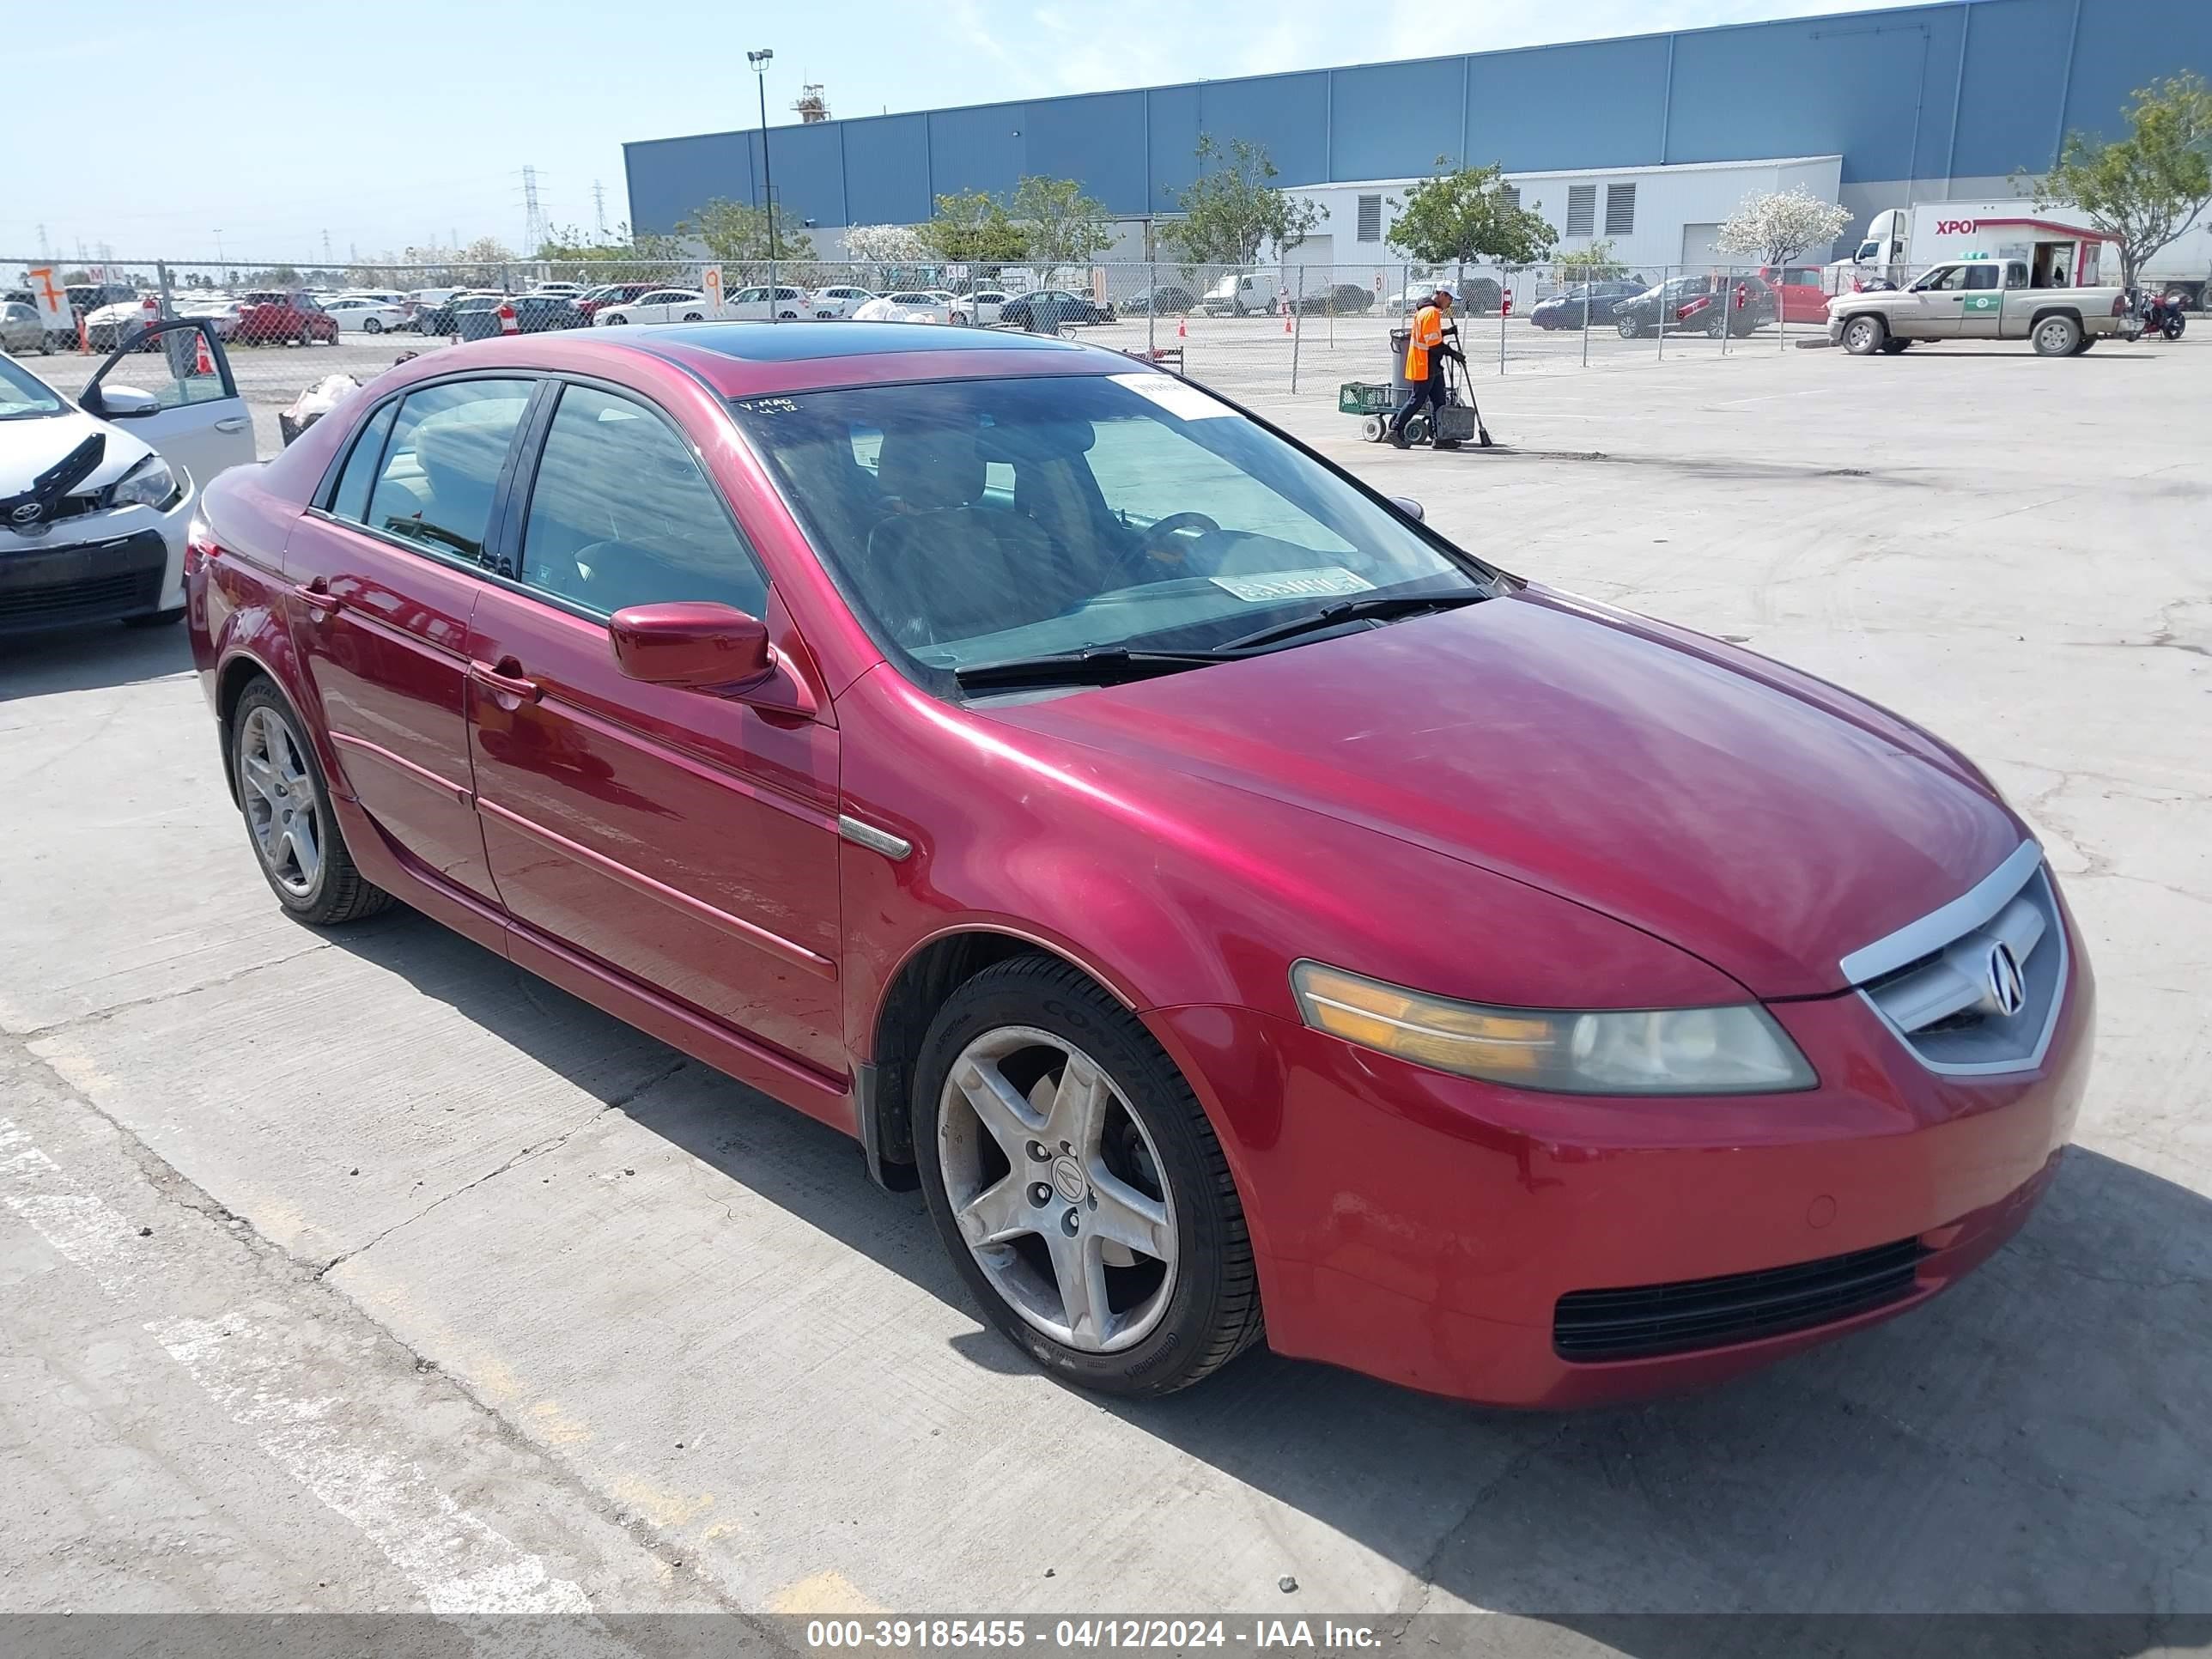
599 205
533 220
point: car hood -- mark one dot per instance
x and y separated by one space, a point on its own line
29 447
1759 818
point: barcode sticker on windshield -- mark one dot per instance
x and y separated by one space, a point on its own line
1186 402
1272 587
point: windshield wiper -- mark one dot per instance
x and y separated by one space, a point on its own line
1097 665
1382 608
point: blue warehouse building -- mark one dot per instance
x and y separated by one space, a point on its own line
1940 101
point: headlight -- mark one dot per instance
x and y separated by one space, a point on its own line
1738 1049
149 484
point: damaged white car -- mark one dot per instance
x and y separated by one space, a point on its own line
96 491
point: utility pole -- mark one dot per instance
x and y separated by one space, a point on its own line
44 251
599 206
326 245
759 60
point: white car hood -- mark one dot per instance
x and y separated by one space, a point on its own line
28 447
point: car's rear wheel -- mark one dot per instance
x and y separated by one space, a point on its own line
286 803
1893 347
371 326
1078 1185
694 317
2057 337
614 321
1864 336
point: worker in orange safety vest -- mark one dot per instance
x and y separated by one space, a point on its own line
1426 353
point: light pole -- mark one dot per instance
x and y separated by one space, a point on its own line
759 60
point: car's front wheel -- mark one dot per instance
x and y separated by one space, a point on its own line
1626 327
288 815
1078 1185
1864 336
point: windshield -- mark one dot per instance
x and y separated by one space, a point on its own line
982 521
24 397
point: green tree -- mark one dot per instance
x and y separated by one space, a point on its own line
1061 225
2141 191
735 233
1231 210
974 228
1467 214
1597 263
570 256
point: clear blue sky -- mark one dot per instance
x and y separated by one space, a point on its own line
396 122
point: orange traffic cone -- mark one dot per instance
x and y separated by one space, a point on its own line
203 359
507 323
83 342
1182 329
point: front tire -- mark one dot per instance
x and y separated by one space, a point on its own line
1627 328
156 618
1864 336
2057 337
1078 1185
287 807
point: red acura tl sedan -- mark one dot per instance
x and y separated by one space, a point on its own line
1240 910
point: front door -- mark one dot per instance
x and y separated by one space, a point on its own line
385 574
1981 310
200 423
1939 301
680 837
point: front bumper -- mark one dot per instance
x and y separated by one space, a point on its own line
1424 1228
98 567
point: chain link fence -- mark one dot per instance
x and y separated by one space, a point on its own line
1266 330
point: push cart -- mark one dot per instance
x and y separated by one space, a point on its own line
1459 421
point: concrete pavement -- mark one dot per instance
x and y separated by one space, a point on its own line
623 1315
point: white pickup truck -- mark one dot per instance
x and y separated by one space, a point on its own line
1977 300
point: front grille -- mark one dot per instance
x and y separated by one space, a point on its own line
53 588
1648 1319
1943 1002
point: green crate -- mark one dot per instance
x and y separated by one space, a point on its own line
1358 398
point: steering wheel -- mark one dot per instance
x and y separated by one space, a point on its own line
1153 544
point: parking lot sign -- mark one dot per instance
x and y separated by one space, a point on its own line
51 298
710 284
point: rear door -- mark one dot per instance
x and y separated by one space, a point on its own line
386 569
201 423
678 836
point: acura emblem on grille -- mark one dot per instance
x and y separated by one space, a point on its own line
2007 992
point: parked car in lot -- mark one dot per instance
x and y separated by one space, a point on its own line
283 316
912 305
1584 304
829 304
1979 299
755 304
1803 299
540 310
980 307
613 293
765 720
118 325
1705 305
439 316
567 290
223 314
662 305
388 297
1339 300
1167 299
23 328
97 491
1047 309
360 314
1477 296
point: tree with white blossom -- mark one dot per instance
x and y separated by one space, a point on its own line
1780 225
885 245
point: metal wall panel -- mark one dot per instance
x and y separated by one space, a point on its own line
671 177
1393 120
1598 105
977 149
1172 115
809 167
887 169
1099 140
1288 114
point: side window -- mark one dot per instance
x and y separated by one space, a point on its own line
350 499
621 515
1981 276
442 466
2016 274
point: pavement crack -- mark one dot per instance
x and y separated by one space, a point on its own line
101 1016
537 1149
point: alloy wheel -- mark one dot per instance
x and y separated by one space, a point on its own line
1057 1189
281 806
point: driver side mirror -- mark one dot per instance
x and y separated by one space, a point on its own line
689 643
119 402
1412 508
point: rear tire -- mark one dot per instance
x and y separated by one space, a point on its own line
371 326
2057 337
1893 347
286 803
1189 1296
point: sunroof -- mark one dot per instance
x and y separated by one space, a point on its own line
793 343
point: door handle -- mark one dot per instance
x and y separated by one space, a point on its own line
506 684
318 598
233 423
